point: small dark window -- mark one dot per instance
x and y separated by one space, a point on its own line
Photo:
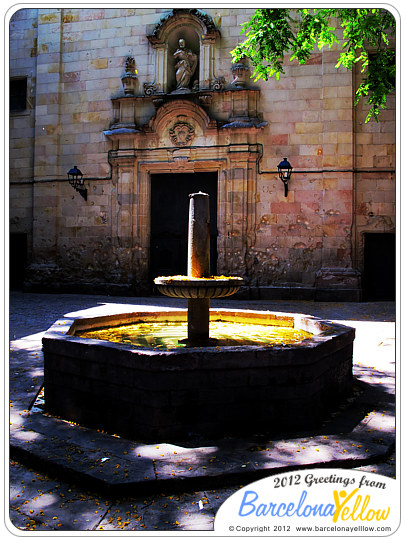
18 94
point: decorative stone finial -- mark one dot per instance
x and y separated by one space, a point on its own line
129 78
240 72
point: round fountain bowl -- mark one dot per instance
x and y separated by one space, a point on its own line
177 394
198 287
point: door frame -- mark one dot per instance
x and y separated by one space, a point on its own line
236 166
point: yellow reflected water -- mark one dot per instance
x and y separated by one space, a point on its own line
167 335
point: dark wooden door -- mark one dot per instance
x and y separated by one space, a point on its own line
379 266
18 259
169 220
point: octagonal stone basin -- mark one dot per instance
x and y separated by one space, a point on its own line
180 394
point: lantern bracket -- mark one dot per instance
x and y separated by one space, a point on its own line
75 178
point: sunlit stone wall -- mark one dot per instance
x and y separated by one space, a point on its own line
342 183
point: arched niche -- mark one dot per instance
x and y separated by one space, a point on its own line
193 122
199 33
192 42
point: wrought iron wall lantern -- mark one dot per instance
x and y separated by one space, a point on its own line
284 172
75 178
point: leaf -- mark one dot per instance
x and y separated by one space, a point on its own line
272 33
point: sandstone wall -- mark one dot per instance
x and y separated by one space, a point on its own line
342 183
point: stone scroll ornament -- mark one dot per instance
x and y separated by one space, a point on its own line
182 133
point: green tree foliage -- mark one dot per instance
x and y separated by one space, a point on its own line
364 38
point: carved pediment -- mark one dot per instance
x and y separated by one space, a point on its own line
181 123
201 21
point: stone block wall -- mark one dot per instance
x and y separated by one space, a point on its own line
343 181
375 193
22 123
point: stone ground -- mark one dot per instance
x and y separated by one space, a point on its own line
63 477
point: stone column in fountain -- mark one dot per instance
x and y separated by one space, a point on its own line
198 264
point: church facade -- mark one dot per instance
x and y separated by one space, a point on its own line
117 114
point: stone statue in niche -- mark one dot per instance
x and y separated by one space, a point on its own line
185 67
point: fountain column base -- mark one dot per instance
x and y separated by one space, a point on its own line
198 320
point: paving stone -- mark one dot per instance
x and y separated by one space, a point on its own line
359 434
23 522
53 503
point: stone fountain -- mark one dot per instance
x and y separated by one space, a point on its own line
201 388
197 286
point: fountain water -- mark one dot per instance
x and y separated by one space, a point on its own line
203 388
